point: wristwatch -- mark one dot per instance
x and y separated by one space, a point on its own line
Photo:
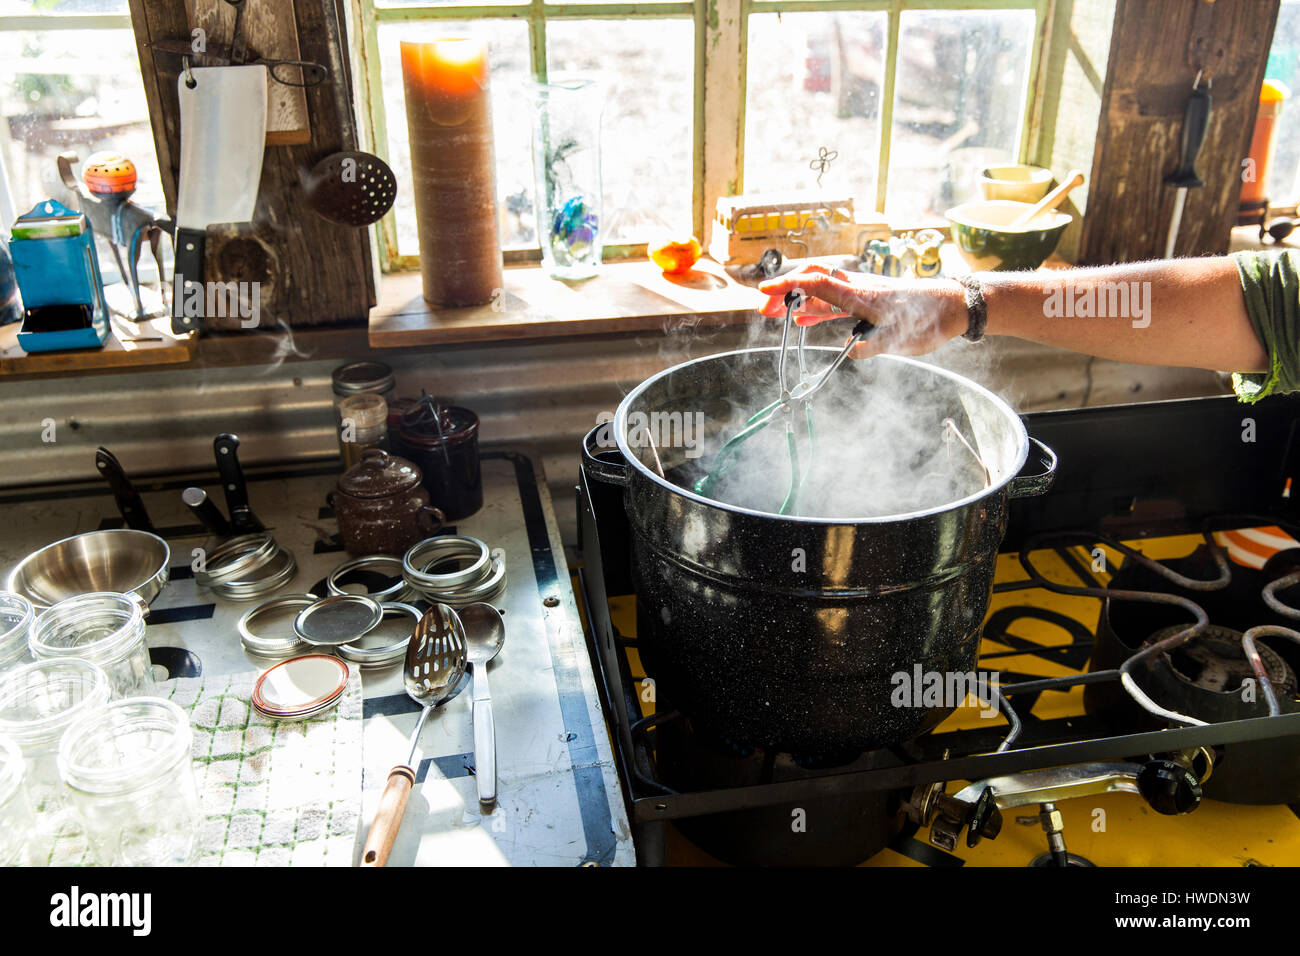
977 310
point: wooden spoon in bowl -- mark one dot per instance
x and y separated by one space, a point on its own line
1050 201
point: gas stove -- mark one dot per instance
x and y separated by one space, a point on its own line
1141 700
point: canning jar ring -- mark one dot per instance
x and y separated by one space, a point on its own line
386 653
375 562
273 647
433 551
239 555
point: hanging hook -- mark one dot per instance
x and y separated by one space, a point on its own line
189 77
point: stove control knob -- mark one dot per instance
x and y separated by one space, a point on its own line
985 819
1169 788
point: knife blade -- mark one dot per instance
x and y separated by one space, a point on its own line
223 137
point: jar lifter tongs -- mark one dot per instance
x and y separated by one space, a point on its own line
791 398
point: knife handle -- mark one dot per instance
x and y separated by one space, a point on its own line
187 279
1196 119
201 506
128 499
232 481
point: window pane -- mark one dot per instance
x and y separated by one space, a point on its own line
1284 65
958 104
57 97
508 55
814 81
28 7
647 67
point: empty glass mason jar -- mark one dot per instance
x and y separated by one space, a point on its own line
37 704
15 622
17 824
104 628
129 773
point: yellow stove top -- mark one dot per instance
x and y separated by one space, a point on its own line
1112 830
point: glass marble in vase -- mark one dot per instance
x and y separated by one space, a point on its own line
566 169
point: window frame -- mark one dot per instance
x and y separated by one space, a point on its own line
721 39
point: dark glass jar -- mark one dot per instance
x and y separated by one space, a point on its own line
443 441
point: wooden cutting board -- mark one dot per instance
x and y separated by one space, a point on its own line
270 28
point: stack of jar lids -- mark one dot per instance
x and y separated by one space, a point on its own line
338 622
246 567
480 577
300 688
385 565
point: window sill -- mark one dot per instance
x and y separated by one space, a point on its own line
622 297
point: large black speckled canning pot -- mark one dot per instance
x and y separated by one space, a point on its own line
760 647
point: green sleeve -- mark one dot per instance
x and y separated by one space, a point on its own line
1270 282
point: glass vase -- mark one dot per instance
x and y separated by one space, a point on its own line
566 170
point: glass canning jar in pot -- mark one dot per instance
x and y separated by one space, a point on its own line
37 704
17 824
130 778
16 616
104 628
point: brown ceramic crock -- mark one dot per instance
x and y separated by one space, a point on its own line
381 505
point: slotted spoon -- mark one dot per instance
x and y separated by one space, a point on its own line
435 662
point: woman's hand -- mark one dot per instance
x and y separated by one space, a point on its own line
912 316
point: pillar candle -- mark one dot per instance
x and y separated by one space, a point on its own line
449 116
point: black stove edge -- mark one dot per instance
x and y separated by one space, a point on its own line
1163 467
974 767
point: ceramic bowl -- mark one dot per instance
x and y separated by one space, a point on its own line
1017 182
982 233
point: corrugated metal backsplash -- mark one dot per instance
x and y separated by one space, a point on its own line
535 397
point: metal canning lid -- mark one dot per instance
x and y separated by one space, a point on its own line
386 653
362 377
273 646
337 619
433 551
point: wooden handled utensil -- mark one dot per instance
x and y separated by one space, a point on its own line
1051 200
435 663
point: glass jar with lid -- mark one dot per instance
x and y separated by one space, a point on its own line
17 824
363 424
16 616
38 702
360 378
105 628
130 777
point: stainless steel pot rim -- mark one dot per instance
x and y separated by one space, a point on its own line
958 381
375 562
386 653
432 551
41 602
309 625
240 555
273 646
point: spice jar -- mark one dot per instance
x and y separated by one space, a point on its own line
38 702
131 781
381 506
443 441
16 616
360 378
363 424
104 628
17 824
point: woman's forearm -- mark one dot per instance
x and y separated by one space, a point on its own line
1188 312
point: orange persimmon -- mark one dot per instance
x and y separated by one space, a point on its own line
674 255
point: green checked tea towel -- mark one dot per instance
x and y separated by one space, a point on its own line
273 793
